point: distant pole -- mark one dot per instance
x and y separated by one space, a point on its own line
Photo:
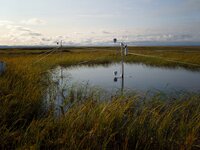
122 55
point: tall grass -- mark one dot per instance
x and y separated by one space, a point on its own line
122 123
119 124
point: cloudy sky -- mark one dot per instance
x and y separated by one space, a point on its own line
97 22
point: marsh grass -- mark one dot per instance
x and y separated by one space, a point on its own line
120 123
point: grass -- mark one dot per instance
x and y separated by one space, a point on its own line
166 56
187 55
122 123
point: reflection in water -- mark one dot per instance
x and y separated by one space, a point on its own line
116 79
137 77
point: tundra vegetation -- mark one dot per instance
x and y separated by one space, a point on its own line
125 122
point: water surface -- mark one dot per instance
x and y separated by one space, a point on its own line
138 77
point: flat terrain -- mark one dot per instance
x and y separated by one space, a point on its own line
122 123
183 56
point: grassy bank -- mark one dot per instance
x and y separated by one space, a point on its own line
123 123
157 56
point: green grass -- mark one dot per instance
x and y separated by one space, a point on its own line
190 55
121 123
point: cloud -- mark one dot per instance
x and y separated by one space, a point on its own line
99 16
22 34
19 34
21 31
31 34
164 37
106 32
17 28
33 21
5 22
46 39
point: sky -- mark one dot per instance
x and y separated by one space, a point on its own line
97 22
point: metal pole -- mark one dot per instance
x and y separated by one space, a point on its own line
122 54
123 49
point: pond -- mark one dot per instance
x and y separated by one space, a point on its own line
137 77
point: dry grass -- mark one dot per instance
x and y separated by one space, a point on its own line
184 54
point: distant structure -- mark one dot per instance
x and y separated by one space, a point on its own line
2 67
124 52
